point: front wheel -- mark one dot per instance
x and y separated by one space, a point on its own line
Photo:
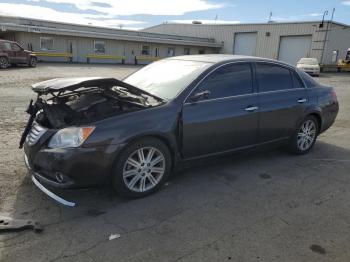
305 136
142 168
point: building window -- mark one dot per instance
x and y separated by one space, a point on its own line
99 47
187 51
335 56
201 51
171 51
46 43
145 50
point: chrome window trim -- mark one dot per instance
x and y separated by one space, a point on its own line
220 98
282 90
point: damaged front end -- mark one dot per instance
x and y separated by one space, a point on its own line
62 118
80 101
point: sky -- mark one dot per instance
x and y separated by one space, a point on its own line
138 14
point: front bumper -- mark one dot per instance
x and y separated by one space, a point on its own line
71 167
311 71
36 177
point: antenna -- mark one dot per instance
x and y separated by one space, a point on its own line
216 18
270 18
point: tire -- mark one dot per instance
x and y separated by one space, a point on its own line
305 136
32 62
135 178
4 63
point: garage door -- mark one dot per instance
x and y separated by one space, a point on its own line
244 44
292 48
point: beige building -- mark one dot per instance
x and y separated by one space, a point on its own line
63 42
288 42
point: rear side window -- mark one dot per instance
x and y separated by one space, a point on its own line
309 81
273 77
229 80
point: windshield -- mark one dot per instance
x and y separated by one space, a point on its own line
166 78
308 61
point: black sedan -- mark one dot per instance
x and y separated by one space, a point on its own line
132 133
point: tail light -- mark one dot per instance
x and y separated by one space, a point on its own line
334 95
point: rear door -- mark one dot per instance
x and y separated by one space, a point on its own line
282 101
226 119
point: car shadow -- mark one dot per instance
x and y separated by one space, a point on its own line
219 182
231 167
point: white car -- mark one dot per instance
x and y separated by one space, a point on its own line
309 65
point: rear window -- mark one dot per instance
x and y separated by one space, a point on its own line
309 81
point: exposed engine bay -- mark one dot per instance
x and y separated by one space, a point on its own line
79 101
79 109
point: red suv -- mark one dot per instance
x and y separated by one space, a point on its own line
12 53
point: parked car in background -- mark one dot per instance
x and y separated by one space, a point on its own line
309 65
132 133
12 53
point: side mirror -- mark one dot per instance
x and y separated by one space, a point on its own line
197 96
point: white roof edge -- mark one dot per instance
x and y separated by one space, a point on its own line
247 24
56 31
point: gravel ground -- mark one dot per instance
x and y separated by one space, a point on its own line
267 206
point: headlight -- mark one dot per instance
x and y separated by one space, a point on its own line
70 137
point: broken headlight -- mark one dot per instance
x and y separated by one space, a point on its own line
70 137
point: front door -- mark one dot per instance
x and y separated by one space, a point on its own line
282 101
223 119
20 55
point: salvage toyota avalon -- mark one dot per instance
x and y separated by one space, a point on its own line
132 133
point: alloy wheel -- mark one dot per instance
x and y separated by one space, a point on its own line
306 135
144 169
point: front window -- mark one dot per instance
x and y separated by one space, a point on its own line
100 47
6 46
167 78
230 80
46 43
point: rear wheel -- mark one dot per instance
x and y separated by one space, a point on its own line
3 62
32 62
305 136
142 168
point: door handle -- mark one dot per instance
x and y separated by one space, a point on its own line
251 108
301 100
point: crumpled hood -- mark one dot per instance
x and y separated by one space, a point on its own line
71 84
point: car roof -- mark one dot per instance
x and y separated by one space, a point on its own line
4 40
218 58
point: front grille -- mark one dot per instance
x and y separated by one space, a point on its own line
35 133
